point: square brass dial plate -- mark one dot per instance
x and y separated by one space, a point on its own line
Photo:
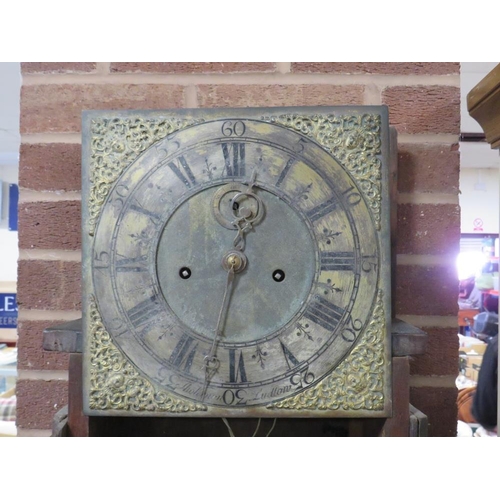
236 262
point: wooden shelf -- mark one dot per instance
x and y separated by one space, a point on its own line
483 104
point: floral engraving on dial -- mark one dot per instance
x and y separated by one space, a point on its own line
260 356
210 170
355 141
328 236
357 383
117 142
329 287
300 194
117 385
303 329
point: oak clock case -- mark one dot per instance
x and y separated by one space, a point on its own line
236 262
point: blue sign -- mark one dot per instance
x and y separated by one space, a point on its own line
8 310
13 201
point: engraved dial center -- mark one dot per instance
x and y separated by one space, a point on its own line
260 304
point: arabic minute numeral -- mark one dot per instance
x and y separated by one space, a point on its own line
231 397
351 196
299 147
118 326
121 192
302 378
369 263
167 147
353 327
102 260
230 129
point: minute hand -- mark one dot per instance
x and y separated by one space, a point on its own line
222 312
212 363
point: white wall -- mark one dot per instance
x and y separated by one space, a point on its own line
8 239
479 164
479 199
10 85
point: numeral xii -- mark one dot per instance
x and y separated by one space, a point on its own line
234 158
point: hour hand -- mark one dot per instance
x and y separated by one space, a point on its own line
236 206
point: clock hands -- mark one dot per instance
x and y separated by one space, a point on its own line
211 361
233 262
245 216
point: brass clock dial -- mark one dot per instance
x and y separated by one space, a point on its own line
236 266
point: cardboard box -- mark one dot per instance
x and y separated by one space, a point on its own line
472 366
475 349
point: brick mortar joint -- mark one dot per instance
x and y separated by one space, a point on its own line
38 375
429 138
55 254
250 78
433 381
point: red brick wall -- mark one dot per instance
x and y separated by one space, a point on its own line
424 106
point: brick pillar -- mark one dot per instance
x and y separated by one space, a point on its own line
424 106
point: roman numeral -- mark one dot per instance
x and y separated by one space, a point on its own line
132 265
322 210
178 166
337 261
285 171
183 353
324 313
143 312
237 371
290 359
155 218
234 158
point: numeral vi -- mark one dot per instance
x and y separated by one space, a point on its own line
237 372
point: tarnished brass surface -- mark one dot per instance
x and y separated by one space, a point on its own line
354 140
116 142
131 367
358 382
117 385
